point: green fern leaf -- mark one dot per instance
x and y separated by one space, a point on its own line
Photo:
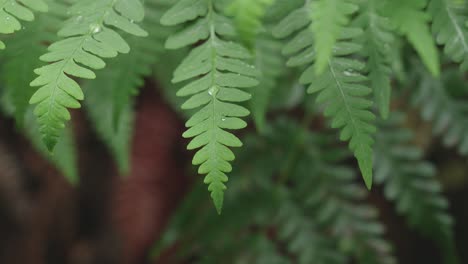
446 113
11 11
328 19
248 15
88 37
269 62
339 87
21 58
411 182
219 72
377 43
303 236
411 21
18 65
449 26
64 156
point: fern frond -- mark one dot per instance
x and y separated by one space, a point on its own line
12 11
18 64
219 71
21 58
411 20
340 86
449 18
89 35
64 157
269 62
339 205
247 16
411 182
448 114
303 239
329 17
377 44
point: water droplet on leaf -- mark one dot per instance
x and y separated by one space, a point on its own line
213 91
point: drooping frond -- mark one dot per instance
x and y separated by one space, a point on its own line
21 58
377 45
247 16
88 36
216 71
340 86
64 156
269 62
303 238
449 18
412 21
410 182
329 17
447 114
339 205
18 64
332 200
12 11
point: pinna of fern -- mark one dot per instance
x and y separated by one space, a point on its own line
340 85
410 181
12 11
88 36
19 61
217 70
446 113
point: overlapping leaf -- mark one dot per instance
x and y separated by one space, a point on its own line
12 11
216 73
88 36
377 43
341 86
411 20
449 18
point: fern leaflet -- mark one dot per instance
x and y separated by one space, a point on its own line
447 114
411 182
88 36
21 58
377 42
248 16
411 20
448 24
340 86
11 11
222 71
328 19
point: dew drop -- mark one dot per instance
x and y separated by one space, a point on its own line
348 73
213 91
223 119
95 28
79 18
